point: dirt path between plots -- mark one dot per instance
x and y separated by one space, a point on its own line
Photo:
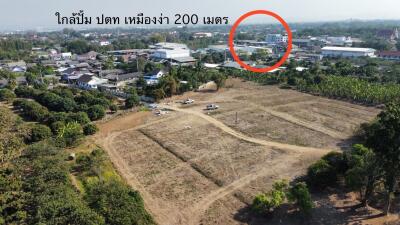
195 212
191 216
241 136
294 120
161 213
164 214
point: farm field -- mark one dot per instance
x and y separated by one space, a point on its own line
198 167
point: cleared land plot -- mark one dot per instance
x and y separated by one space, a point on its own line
260 124
198 167
219 156
286 116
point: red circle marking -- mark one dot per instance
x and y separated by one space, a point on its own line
266 69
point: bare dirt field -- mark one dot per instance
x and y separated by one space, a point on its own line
198 167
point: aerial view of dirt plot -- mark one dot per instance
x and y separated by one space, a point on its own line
210 112
198 166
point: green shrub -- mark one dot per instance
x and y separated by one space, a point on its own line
113 108
96 112
265 203
40 132
321 174
83 162
32 110
117 203
80 117
337 161
6 95
70 134
90 129
57 126
300 195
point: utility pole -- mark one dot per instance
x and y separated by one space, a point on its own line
236 118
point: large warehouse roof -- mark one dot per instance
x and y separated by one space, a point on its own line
347 49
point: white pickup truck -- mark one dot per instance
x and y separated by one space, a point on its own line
212 107
188 101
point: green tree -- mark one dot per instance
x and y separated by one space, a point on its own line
52 198
364 171
337 161
219 79
321 174
109 64
31 78
70 134
133 98
96 112
81 117
383 137
10 77
78 46
149 67
12 135
169 84
300 195
90 129
32 110
267 202
158 94
117 203
7 95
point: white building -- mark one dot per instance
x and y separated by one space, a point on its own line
276 38
90 82
202 35
339 41
66 55
152 77
347 52
166 50
104 43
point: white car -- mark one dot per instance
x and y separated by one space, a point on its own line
153 106
188 101
212 107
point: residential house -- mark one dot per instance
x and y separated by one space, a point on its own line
88 56
87 82
104 73
19 66
122 79
116 82
153 76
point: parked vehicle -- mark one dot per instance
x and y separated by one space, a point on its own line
188 101
212 107
153 106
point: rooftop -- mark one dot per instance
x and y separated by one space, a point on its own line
347 49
